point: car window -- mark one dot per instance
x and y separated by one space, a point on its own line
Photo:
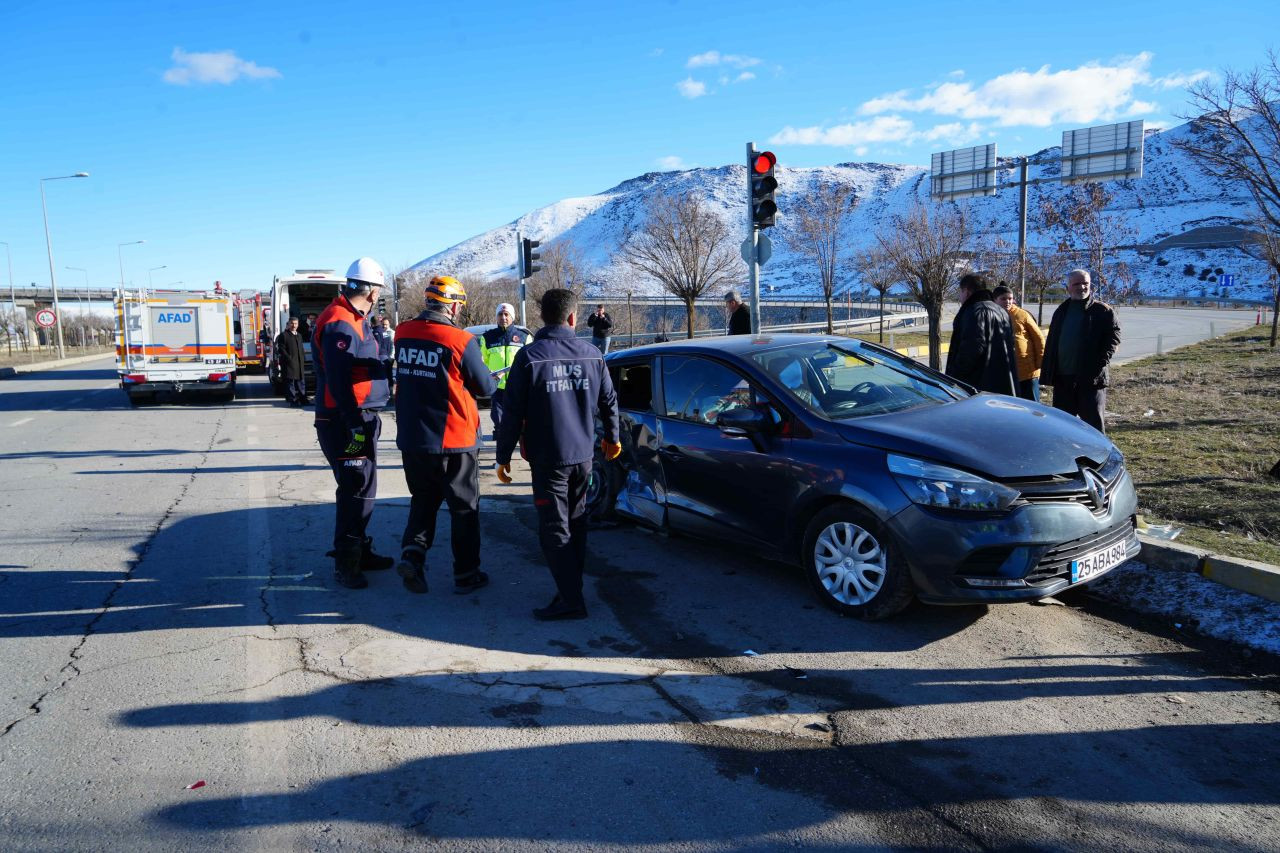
700 390
634 384
844 383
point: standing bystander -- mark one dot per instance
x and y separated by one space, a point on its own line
1028 343
1083 336
600 323
981 351
289 361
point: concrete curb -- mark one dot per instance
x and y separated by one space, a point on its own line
1251 576
10 372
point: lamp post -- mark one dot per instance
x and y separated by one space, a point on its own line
120 257
150 286
53 275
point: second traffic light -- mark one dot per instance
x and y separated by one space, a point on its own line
528 255
763 184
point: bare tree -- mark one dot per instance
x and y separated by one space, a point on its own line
1235 137
1267 243
563 266
925 247
1080 227
684 247
876 269
1046 270
815 232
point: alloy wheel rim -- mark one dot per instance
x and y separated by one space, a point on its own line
850 563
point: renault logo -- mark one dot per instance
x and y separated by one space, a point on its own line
1096 488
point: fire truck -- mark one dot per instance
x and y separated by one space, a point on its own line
253 343
175 340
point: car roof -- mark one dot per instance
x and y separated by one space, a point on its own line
736 345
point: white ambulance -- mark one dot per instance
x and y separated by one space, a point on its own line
300 295
175 340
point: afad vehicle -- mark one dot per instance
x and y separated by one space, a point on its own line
252 345
304 293
175 340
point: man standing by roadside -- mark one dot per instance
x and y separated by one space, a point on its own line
498 347
555 388
440 372
290 363
1028 343
1083 336
981 351
386 342
601 324
739 314
350 391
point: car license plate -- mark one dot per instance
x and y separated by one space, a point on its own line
1103 560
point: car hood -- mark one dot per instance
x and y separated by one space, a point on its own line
1003 437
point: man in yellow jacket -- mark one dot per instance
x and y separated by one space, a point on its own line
498 347
1028 343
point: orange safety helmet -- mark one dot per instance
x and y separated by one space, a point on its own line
447 290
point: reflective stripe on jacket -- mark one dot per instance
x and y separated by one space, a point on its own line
499 346
439 373
349 374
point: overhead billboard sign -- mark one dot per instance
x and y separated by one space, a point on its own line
1109 152
963 172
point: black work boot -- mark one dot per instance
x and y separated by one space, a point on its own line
346 567
470 582
411 569
371 562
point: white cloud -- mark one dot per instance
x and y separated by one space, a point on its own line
671 163
881 129
691 88
1181 81
217 67
744 77
1090 93
715 57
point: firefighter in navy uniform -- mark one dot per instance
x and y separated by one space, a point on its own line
499 347
439 373
351 388
555 388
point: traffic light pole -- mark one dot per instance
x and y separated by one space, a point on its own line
753 265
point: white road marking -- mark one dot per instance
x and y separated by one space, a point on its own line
253 439
21 422
252 428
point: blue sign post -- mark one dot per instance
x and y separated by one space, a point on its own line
1227 280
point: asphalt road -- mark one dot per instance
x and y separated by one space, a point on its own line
167 616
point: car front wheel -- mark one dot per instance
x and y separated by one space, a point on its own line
854 566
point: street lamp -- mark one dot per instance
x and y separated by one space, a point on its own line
53 275
120 258
150 286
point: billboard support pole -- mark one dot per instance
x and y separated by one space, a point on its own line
1022 233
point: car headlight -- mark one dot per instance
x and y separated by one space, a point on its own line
930 484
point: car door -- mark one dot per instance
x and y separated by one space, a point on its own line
643 493
719 485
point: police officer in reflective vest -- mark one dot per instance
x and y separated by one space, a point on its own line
499 347
439 373
351 388
556 387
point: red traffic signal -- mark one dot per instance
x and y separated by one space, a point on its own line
765 161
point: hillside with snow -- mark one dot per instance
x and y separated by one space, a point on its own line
1183 222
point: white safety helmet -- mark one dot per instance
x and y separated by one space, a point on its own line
365 272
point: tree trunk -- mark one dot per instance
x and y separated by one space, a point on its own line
831 329
1275 309
882 316
935 335
688 315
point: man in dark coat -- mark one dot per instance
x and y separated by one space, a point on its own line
1083 336
739 313
601 325
982 351
289 357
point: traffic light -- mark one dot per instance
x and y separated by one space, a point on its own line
529 254
763 184
382 304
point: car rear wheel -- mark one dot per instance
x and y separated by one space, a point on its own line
854 566
602 487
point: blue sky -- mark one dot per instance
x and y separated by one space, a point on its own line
241 140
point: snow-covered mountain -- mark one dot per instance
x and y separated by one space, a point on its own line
1183 220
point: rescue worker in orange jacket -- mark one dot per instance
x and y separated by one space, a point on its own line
439 372
351 388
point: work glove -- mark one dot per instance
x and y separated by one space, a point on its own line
612 449
504 473
355 446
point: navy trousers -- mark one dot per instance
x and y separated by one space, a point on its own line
496 405
436 478
357 476
560 496
1081 399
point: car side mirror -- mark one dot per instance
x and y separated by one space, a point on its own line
743 422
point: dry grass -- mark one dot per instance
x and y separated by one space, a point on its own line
37 356
1201 458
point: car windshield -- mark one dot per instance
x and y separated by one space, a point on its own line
841 383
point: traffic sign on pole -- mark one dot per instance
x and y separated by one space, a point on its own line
46 318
